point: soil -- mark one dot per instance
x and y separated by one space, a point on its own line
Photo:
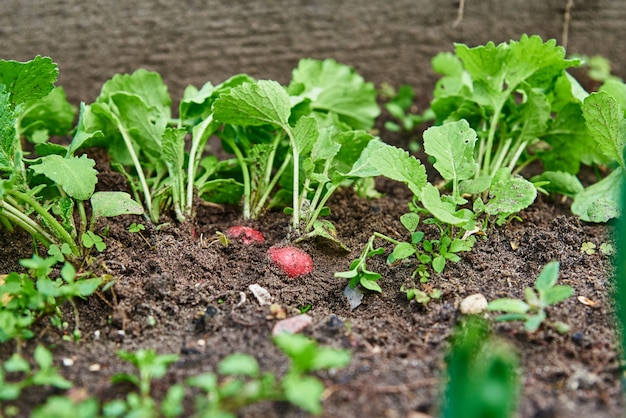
166 282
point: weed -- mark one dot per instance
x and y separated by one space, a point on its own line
533 310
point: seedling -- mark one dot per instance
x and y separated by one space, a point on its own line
533 310
16 367
482 374
36 294
150 365
42 195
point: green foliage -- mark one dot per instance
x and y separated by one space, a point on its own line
533 310
34 295
243 382
16 374
606 124
483 380
44 195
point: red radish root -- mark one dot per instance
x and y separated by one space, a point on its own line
293 261
245 234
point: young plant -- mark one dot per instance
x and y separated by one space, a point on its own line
42 195
605 120
533 310
150 365
31 296
482 374
314 127
245 384
16 374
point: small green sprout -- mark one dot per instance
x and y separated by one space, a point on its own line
533 310
588 248
135 227
607 249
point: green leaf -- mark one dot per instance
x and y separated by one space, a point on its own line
439 264
145 85
43 357
239 365
8 136
228 191
329 358
452 145
304 392
443 211
509 194
557 294
368 281
28 81
531 57
87 287
508 305
617 89
144 123
533 322
337 88
397 164
410 221
559 182
600 201
254 104
305 133
75 175
50 115
605 120
400 252
548 277
110 204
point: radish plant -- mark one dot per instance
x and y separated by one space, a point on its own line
45 195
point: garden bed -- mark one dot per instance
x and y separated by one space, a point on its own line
179 287
398 347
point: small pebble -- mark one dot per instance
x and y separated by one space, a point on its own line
261 294
577 338
292 325
473 304
94 367
68 362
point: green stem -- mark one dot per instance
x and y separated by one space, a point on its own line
501 155
82 216
517 154
199 139
14 215
319 206
266 193
296 177
490 137
246 176
57 228
386 238
133 155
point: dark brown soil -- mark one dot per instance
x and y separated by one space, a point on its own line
398 347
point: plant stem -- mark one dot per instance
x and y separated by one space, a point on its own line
296 177
57 228
259 206
246 176
199 137
14 215
319 206
133 155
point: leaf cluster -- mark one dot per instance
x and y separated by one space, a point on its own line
46 194
532 310
238 382
28 297
482 374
